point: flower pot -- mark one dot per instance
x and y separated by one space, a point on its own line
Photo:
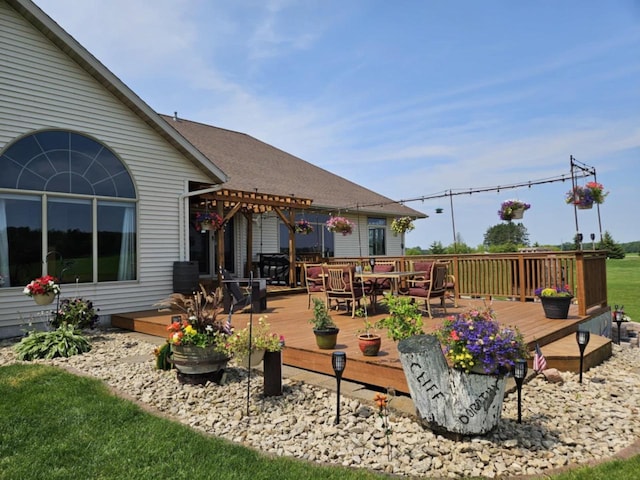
206 226
369 344
517 214
326 339
556 307
44 298
588 206
193 360
251 360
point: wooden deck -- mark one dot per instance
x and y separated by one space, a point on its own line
288 315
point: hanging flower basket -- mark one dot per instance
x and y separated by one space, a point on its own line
512 210
208 221
303 227
43 290
401 225
340 225
583 197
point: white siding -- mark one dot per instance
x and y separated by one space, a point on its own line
40 88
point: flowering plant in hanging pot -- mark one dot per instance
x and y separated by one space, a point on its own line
208 221
401 225
303 227
341 225
43 290
585 196
475 341
512 209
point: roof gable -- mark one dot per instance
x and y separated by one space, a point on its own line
65 42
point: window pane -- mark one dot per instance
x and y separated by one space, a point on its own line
116 242
20 240
70 240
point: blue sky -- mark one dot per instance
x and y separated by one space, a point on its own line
408 98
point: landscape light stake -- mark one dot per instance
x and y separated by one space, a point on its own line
250 340
582 337
618 318
338 362
520 373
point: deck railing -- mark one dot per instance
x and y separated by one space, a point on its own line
518 275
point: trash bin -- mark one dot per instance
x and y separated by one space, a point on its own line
185 277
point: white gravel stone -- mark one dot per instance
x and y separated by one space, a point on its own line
563 424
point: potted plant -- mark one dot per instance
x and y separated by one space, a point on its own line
341 225
457 376
325 330
303 227
474 341
208 221
43 290
77 312
248 346
555 301
404 320
512 209
198 339
401 225
368 342
585 196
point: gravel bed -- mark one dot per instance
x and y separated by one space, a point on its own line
564 424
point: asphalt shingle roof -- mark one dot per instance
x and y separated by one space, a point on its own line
252 164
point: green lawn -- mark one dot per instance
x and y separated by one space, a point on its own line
55 425
623 284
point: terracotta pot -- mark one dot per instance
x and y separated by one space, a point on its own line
369 344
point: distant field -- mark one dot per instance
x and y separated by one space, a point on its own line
623 284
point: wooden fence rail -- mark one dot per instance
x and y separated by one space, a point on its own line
518 275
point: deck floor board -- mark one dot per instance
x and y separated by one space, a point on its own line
289 316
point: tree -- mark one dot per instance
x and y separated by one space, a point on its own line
505 234
436 248
614 250
414 251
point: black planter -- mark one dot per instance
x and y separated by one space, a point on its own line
556 307
272 374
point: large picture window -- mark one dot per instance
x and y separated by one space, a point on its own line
319 241
67 208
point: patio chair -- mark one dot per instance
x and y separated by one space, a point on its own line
339 286
234 298
313 281
433 286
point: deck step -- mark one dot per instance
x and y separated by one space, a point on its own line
564 353
149 322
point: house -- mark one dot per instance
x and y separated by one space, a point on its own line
100 190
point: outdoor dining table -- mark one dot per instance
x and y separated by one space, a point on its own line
396 279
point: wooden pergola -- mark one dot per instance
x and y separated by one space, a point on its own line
228 203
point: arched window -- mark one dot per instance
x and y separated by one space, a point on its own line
83 193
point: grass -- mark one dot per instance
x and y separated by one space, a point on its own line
623 284
59 426
55 425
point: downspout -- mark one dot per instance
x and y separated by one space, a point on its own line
183 220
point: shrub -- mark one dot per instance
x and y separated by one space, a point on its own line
64 341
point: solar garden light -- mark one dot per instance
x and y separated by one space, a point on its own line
618 317
338 362
519 373
372 263
582 337
580 237
593 238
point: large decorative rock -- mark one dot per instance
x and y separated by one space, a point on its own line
447 400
